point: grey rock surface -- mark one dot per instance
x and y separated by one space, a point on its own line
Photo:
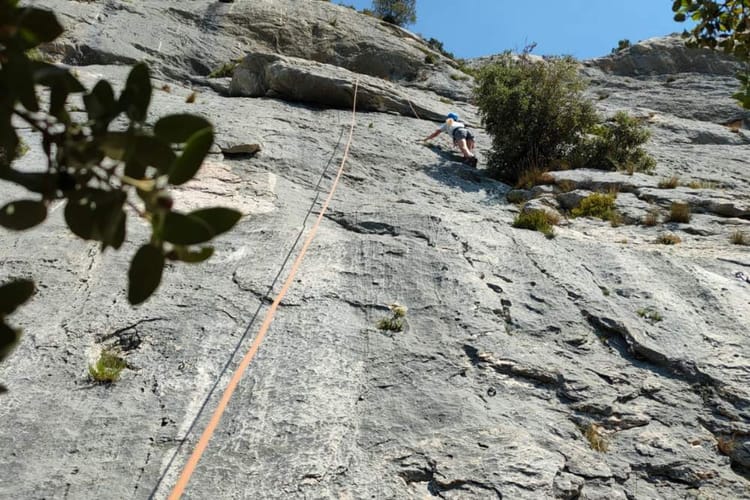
299 80
186 39
516 347
666 56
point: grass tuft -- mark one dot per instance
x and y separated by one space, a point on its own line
595 436
107 368
537 220
599 205
679 212
392 324
670 183
651 218
225 70
668 239
739 238
650 314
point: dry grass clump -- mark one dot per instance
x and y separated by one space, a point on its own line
566 185
651 219
534 177
396 322
726 445
702 185
668 239
739 238
597 439
670 183
679 212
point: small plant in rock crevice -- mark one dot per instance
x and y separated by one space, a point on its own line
651 218
668 239
726 445
225 70
650 313
599 205
669 183
739 238
394 323
537 220
679 212
596 437
107 368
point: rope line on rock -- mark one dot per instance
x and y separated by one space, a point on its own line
248 329
202 444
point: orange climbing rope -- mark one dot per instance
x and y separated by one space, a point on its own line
200 448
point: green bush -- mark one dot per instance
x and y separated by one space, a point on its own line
599 205
621 45
437 45
535 113
615 145
537 220
398 12
539 119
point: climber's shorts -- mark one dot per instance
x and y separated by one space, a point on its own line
462 133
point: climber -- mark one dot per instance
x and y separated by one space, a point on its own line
463 139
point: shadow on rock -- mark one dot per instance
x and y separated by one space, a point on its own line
450 170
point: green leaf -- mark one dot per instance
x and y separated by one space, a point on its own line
38 26
20 80
153 152
145 273
115 144
100 102
22 214
14 294
8 340
95 214
34 182
8 142
184 254
196 149
80 218
50 75
137 94
179 128
218 219
181 229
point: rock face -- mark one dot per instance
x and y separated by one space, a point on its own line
597 364
305 81
187 39
666 56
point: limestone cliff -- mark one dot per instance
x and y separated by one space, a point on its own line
519 351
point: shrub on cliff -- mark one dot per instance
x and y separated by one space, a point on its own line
399 12
540 120
535 112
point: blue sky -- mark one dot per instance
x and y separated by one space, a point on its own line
581 28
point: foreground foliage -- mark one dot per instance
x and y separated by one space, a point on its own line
723 25
99 163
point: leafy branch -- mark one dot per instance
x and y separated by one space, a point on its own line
98 165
